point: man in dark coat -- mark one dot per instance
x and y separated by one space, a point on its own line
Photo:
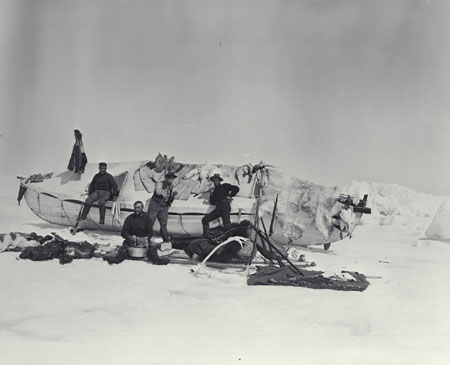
160 202
101 189
221 196
138 228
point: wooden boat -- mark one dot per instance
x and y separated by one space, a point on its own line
306 213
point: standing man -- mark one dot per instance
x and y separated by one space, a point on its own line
101 189
221 196
138 228
160 202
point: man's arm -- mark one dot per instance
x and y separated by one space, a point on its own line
212 198
92 185
233 190
160 191
126 229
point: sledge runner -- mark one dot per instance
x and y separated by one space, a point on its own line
101 189
160 203
221 196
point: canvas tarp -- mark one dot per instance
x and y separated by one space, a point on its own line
303 207
286 276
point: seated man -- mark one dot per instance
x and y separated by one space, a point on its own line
138 227
101 189
221 196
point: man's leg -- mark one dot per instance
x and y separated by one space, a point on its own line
152 254
153 210
103 198
225 210
119 256
91 199
163 216
209 218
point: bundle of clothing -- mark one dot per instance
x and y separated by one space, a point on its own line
165 164
233 252
35 178
55 247
17 242
78 158
286 276
194 178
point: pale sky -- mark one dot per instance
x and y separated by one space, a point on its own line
328 90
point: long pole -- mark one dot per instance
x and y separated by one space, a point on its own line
272 221
270 248
256 221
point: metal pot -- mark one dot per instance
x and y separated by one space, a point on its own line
137 252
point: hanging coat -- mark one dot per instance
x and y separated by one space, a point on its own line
78 159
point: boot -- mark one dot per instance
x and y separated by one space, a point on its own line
206 231
164 234
153 256
161 261
85 212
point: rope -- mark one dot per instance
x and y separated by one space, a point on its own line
65 213
180 222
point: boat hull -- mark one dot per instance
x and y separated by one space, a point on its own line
304 214
64 211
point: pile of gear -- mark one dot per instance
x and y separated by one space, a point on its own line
287 276
234 251
225 246
165 164
41 248
233 245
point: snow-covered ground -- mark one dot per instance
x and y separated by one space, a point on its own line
89 312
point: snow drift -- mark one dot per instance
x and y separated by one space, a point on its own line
395 204
439 228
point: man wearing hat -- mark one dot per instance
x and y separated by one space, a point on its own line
160 202
102 188
221 196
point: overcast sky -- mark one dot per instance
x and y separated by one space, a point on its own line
328 90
